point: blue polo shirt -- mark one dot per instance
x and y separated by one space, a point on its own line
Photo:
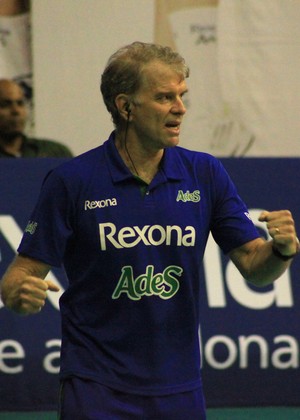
130 315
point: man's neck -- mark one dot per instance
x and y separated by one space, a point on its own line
144 164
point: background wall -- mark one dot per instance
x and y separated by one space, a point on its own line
244 57
72 40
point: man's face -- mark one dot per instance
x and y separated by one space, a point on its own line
13 111
158 107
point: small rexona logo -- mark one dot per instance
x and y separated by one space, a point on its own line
188 196
107 202
31 227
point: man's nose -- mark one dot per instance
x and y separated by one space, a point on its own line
16 107
179 106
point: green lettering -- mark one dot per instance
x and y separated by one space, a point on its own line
171 281
142 282
165 285
157 283
126 285
180 196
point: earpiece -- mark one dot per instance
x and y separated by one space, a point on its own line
127 109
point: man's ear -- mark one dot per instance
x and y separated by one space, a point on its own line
122 102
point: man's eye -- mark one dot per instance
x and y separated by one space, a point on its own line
6 104
164 98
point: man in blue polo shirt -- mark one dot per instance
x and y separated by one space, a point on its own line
129 221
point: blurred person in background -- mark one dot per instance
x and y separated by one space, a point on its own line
13 117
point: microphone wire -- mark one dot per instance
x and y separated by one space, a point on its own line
126 149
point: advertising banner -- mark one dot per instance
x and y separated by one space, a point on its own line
249 336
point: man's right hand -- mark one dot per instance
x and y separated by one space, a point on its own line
28 295
23 288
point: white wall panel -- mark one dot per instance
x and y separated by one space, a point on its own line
72 40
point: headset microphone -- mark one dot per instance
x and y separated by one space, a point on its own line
127 109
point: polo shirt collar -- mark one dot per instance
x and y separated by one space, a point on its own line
171 166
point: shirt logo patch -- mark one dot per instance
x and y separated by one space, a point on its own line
94 204
194 196
164 285
31 227
155 235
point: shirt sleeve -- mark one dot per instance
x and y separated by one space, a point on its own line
231 224
51 223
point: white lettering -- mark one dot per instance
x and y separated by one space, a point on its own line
219 351
286 357
213 275
162 233
129 237
11 349
210 351
244 343
109 236
142 234
49 360
90 205
280 295
126 233
292 351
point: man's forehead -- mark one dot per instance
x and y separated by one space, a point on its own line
158 75
10 90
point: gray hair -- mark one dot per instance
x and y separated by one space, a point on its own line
123 72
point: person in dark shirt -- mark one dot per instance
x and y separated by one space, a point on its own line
13 116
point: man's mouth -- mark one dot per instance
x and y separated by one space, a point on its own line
173 126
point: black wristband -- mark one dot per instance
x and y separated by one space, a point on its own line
283 257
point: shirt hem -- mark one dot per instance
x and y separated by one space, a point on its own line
146 391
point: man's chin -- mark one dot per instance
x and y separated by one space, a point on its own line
9 136
174 141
